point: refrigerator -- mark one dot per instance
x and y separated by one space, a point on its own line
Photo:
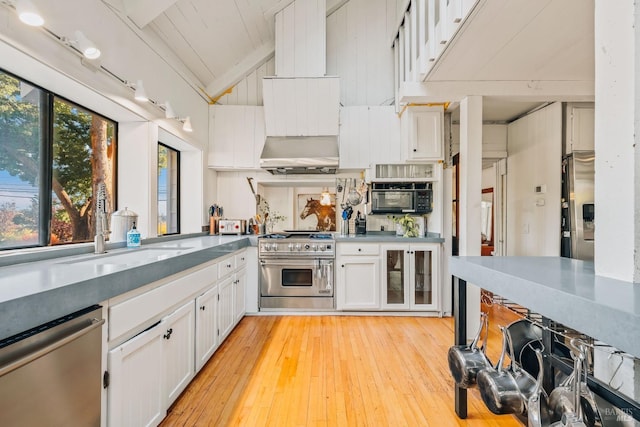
578 216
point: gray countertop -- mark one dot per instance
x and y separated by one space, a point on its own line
389 236
34 293
562 289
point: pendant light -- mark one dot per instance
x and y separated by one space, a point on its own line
325 197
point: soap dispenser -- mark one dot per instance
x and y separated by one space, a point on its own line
133 237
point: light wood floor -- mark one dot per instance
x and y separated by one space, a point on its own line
333 371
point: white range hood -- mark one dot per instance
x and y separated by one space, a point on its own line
301 104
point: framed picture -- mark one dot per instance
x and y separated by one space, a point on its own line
311 215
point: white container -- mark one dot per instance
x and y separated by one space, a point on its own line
121 222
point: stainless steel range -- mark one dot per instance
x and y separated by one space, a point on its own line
296 271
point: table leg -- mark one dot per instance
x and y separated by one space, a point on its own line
460 332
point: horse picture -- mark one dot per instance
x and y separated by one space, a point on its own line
325 215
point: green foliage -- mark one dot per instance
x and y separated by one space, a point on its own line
408 223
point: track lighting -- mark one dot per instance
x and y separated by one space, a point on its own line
141 94
186 126
86 46
28 13
168 111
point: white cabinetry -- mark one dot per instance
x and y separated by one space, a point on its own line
357 277
226 307
410 276
236 136
149 371
240 284
301 106
160 337
368 135
580 131
206 326
422 133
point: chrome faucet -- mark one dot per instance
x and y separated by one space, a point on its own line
101 219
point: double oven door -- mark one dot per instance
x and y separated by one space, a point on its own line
296 283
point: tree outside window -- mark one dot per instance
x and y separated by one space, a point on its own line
53 154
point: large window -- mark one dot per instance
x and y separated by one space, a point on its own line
53 155
168 190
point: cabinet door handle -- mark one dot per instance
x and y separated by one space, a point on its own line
242 259
359 249
342 265
168 334
202 307
415 149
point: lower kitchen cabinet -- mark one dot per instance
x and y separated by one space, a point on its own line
206 326
240 284
388 276
358 283
358 276
226 308
410 276
151 369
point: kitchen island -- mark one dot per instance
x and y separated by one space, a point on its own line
561 289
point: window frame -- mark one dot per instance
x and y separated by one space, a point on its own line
45 165
178 191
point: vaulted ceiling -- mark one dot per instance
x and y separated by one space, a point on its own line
218 42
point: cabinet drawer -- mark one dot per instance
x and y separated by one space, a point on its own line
139 310
358 249
241 260
226 266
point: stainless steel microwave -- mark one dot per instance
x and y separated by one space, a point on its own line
401 197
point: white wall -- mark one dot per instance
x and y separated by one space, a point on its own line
34 55
535 156
248 91
359 51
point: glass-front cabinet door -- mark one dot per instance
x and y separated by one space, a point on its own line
423 260
395 275
410 277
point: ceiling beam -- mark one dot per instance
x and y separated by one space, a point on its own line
142 12
516 90
241 70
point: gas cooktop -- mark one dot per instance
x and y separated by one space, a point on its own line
299 235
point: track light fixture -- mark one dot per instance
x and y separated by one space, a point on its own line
186 124
28 13
86 46
168 111
141 94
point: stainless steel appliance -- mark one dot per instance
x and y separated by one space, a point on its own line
401 197
296 271
51 375
578 219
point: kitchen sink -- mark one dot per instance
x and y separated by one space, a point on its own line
132 256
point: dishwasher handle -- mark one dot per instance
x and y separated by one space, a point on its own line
95 323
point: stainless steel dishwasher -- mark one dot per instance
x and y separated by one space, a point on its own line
51 375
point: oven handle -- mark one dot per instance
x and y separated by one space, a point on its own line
290 262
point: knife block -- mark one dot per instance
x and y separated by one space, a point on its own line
213 225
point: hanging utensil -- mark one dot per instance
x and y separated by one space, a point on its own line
354 198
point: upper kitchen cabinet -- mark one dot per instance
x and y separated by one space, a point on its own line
236 136
301 106
368 135
580 127
422 134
